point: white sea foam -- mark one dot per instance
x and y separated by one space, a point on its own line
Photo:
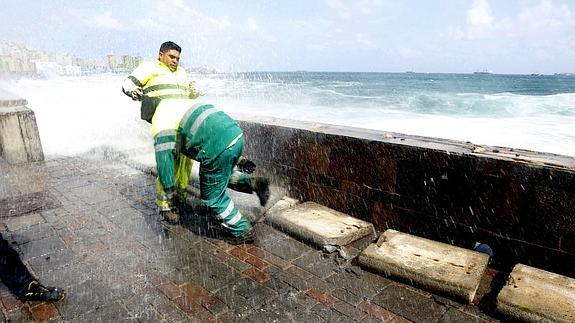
76 115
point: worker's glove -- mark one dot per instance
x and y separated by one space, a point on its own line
132 90
194 93
136 95
245 165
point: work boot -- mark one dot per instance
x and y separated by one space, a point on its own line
179 205
261 186
170 216
39 292
248 237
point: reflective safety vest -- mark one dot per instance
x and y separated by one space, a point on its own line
159 82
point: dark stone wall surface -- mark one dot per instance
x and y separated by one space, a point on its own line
521 203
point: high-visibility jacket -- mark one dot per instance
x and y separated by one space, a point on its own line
158 81
197 130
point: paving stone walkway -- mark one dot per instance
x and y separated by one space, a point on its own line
90 226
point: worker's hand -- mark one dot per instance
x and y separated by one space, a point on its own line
194 93
132 90
245 165
136 94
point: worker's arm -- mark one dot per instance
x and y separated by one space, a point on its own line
132 88
133 84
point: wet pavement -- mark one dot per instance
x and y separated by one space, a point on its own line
90 226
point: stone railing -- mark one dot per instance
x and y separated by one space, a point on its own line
519 202
19 138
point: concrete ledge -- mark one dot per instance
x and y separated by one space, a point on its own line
533 294
317 224
471 189
439 144
282 205
19 137
433 265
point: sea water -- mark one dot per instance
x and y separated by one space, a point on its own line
534 112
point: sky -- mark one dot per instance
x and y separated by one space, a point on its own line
451 36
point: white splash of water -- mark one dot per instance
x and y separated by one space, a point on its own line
76 115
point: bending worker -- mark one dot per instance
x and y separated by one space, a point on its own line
183 127
151 82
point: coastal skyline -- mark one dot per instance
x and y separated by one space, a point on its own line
517 37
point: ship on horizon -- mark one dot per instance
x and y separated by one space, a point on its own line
484 72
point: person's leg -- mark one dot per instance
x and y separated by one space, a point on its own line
15 275
13 272
182 173
214 179
161 197
182 177
165 206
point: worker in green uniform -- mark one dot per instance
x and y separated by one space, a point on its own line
151 82
205 134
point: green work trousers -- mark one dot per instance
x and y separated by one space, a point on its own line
182 179
214 179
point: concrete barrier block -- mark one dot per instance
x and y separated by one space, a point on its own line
318 224
535 295
19 137
282 205
429 264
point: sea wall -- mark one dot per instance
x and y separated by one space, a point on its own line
519 202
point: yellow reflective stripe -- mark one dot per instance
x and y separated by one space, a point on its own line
165 146
227 211
170 86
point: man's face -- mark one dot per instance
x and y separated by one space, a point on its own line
171 58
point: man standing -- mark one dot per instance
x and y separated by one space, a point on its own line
152 82
201 132
18 279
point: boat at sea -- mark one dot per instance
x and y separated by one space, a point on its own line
484 72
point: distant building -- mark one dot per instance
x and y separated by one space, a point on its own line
128 63
112 62
10 65
18 59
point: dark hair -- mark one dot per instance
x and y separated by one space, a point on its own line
169 45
